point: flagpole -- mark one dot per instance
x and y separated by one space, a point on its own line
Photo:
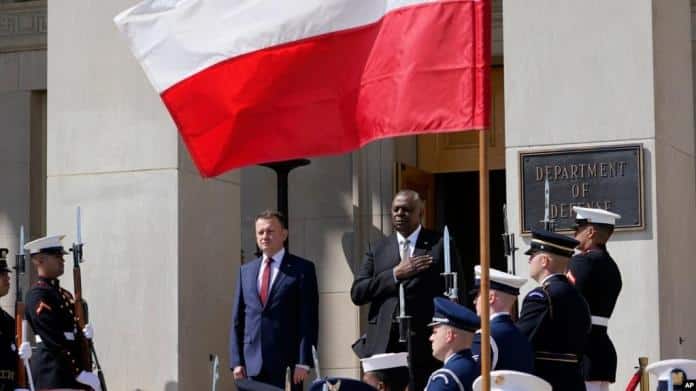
484 262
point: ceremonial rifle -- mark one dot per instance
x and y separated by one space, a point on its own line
549 224
87 351
288 379
405 334
21 325
315 358
509 249
451 285
215 370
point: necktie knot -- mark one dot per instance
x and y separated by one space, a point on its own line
269 261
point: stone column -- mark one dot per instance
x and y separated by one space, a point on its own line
22 124
579 74
162 244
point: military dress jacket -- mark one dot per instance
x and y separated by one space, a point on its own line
8 352
597 277
556 320
50 312
458 373
510 349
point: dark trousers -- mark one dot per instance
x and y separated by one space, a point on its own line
276 378
424 364
561 376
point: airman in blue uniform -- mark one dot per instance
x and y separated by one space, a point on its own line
453 330
510 349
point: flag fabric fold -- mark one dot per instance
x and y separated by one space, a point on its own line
254 81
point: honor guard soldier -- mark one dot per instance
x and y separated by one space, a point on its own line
678 373
8 349
555 316
453 331
387 371
50 312
597 277
510 349
513 381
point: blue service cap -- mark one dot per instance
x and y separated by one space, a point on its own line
452 314
551 242
339 384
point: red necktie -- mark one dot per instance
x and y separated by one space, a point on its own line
266 281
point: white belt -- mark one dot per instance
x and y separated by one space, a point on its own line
600 321
69 336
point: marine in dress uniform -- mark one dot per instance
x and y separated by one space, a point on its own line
555 316
453 330
386 371
8 349
513 381
597 277
49 311
510 349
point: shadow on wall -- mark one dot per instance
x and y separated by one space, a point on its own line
348 245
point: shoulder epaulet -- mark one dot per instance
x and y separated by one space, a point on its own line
447 376
536 294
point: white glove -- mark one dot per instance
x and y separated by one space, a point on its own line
24 351
88 331
89 379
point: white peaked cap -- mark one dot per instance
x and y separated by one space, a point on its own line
662 369
384 361
596 216
46 242
514 381
501 278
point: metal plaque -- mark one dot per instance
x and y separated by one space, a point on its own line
607 177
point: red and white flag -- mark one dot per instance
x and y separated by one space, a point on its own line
252 81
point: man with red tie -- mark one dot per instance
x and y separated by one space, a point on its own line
275 316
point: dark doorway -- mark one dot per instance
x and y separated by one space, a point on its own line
457 206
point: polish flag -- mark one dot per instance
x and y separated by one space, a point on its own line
254 81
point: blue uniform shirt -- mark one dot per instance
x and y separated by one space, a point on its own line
511 349
458 373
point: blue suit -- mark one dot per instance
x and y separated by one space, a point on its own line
268 339
511 349
458 374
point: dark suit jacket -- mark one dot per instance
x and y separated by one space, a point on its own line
282 333
374 284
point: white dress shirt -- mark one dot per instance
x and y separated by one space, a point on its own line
412 238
